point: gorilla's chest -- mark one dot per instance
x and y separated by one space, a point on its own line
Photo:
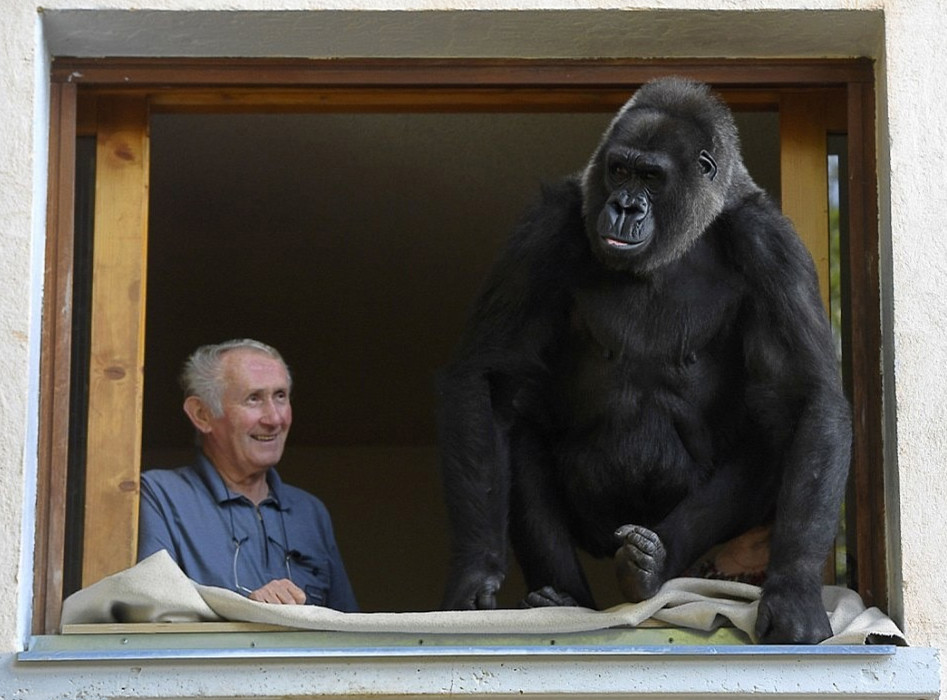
643 327
647 374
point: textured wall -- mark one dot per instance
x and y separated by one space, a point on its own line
22 194
917 206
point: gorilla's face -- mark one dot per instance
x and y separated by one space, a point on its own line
634 181
650 190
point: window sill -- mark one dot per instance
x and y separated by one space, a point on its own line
651 662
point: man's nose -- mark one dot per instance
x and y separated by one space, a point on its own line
273 413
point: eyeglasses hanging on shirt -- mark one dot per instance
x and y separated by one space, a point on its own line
288 556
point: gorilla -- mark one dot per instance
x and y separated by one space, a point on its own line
647 372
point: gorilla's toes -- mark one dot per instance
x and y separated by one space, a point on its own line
547 597
639 562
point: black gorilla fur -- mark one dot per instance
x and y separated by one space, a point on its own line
648 372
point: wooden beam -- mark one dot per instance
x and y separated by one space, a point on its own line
445 73
117 338
804 167
415 100
55 362
862 320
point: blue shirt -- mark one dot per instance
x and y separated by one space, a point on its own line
220 538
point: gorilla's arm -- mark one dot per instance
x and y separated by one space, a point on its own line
794 391
485 393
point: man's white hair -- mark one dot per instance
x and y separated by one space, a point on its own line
202 375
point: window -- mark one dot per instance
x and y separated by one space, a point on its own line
139 114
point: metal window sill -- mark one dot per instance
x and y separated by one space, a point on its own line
651 663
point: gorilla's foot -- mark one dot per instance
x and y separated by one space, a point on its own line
548 597
474 590
639 562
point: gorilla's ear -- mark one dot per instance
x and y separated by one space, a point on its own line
707 165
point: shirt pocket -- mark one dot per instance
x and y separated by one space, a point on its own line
314 578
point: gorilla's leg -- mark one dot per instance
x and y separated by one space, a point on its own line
541 540
734 499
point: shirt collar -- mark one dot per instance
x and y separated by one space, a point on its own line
220 493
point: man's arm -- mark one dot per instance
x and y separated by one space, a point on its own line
153 532
341 595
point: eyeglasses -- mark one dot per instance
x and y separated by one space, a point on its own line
236 556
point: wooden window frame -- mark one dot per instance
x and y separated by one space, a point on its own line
133 87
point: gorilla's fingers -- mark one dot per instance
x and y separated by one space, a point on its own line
639 562
485 597
645 544
486 600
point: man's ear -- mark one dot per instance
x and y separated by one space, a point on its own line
198 413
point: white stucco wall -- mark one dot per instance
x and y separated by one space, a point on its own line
916 133
909 40
22 191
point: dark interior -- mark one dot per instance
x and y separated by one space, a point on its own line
355 244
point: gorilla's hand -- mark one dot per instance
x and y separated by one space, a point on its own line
548 597
791 612
475 591
639 562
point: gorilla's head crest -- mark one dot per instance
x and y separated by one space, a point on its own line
666 167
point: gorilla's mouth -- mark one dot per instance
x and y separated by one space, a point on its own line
617 243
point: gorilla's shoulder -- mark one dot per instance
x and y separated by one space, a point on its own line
566 193
554 222
545 250
761 240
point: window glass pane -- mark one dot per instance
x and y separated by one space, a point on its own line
846 573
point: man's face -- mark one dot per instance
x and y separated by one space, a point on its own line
250 435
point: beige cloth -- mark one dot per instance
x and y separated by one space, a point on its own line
156 590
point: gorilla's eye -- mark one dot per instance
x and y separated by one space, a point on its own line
650 175
618 170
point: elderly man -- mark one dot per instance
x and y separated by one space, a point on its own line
229 520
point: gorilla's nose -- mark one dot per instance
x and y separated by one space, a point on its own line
633 205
